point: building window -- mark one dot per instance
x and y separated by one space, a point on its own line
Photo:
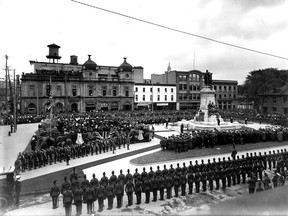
229 88
59 90
172 98
151 89
114 91
90 91
225 88
185 86
143 97
31 90
158 89
215 88
198 96
180 96
104 90
285 99
151 98
165 98
194 96
220 96
136 89
184 96
143 89
274 99
274 109
136 97
126 91
285 110
220 88
74 91
158 97
171 89
165 89
48 90
224 95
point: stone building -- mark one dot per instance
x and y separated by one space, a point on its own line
77 87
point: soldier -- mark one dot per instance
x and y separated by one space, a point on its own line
191 167
84 186
73 175
169 185
110 193
75 184
210 177
172 171
119 190
228 176
178 170
144 175
165 171
190 177
129 176
67 200
243 174
158 172
184 169
151 173
176 182
78 199
197 181
154 187
183 182
223 178
147 189
100 195
217 178
104 180
54 193
138 190
136 175
94 181
113 179
233 174
65 185
122 178
269 157
161 182
204 181
129 189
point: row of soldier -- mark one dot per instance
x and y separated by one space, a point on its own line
206 138
225 172
67 151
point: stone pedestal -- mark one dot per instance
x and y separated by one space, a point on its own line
207 96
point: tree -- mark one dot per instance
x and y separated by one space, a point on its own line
262 81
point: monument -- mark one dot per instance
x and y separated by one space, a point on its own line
208 117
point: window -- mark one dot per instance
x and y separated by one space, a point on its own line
74 91
274 99
143 89
225 88
136 97
224 95
90 91
194 96
215 88
220 96
194 88
171 89
114 91
285 99
185 86
126 91
220 87
59 90
151 98
165 98
31 90
190 96
198 96
158 89
151 89
104 90
48 90
229 88
172 98
143 97
136 89
180 96
158 97
274 109
165 89
184 96
180 87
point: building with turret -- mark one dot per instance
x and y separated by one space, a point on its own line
77 87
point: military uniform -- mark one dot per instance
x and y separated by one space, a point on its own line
110 193
54 193
147 189
169 185
67 200
119 190
129 191
161 182
78 199
100 195
138 191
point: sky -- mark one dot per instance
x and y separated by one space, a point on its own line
27 27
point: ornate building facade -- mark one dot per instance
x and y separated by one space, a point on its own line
75 87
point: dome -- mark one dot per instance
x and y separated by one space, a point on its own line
125 66
89 64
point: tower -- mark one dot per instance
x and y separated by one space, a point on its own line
53 52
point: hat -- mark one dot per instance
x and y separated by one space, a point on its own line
18 176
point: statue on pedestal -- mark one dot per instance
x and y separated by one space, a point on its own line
208 78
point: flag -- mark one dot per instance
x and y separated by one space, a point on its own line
50 100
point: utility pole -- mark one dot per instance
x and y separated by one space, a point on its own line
6 83
14 103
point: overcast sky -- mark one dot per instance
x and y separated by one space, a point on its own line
27 27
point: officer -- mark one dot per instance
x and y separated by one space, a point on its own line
158 172
78 199
65 185
161 182
183 182
176 182
154 187
67 200
84 185
151 173
184 169
129 189
172 171
138 190
147 189
54 193
75 183
178 170
100 195
119 190
169 185
110 194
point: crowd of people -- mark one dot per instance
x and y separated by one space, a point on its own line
178 181
210 138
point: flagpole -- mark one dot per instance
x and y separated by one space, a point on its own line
51 105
